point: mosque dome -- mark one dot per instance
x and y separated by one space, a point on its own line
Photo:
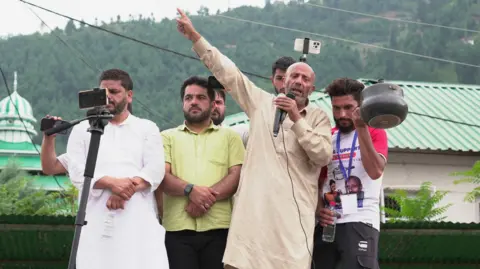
13 110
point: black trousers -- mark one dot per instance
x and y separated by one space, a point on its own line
196 250
355 247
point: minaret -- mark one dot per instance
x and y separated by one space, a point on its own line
16 117
15 81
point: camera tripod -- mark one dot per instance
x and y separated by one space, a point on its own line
98 119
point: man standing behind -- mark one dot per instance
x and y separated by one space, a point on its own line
122 230
218 115
360 154
202 171
272 228
279 68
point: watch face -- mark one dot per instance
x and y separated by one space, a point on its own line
188 189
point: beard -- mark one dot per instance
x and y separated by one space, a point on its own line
197 118
344 128
217 118
118 107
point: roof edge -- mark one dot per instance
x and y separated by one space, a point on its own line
435 151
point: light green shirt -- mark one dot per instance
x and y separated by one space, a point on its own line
201 159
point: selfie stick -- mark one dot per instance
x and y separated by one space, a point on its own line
98 118
306 46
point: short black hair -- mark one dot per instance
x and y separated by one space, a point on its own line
199 81
221 92
282 63
117 74
346 86
124 77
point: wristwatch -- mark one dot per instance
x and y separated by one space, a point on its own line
188 189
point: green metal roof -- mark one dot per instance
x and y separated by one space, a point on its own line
442 117
26 147
31 163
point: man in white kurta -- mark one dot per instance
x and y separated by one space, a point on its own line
122 230
273 216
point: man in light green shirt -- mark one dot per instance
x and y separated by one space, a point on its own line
202 171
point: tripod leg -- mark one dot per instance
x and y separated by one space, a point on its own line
89 172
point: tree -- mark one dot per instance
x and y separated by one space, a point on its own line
470 176
421 207
19 197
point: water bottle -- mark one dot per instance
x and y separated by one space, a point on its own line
329 231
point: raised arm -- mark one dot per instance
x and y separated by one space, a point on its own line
315 140
51 165
242 90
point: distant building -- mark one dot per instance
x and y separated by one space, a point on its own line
441 135
16 129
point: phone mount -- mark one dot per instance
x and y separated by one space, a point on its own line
98 119
306 48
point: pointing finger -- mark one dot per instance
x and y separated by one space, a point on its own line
182 14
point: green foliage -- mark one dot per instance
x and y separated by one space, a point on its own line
421 207
471 176
19 197
50 73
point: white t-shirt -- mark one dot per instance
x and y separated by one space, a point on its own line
357 182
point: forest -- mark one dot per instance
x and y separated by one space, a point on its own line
52 67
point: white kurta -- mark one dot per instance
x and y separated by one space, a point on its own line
136 239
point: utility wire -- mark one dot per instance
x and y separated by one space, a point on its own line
131 38
94 68
25 125
392 19
275 26
348 41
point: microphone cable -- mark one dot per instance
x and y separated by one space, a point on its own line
295 199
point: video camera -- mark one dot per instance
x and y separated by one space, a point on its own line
87 99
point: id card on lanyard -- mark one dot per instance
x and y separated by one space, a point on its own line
349 201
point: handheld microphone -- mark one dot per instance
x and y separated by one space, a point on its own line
280 115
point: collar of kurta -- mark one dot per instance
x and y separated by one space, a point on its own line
127 121
211 127
306 109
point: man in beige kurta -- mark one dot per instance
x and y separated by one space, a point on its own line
274 212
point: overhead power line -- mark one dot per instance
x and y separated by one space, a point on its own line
130 38
349 41
392 19
268 25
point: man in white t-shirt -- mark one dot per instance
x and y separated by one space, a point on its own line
352 185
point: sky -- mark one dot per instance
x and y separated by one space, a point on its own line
16 17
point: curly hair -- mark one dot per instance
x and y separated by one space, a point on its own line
346 86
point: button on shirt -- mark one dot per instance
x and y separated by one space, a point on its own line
133 148
202 159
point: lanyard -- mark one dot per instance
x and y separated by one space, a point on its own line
352 150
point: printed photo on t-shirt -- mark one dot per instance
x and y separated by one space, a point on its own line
338 185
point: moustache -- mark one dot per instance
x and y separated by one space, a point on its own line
344 119
194 107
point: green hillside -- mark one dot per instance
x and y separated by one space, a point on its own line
51 73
